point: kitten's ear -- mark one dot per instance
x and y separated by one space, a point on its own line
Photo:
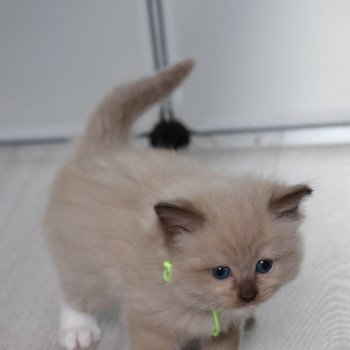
178 218
285 201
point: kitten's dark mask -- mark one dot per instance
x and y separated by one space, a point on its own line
240 268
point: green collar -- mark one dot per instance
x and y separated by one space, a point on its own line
167 269
216 322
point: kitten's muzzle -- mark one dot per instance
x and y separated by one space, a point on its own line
247 292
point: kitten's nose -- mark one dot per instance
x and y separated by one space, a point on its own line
247 292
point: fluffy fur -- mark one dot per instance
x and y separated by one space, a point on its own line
116 213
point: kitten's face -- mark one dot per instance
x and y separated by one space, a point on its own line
236 249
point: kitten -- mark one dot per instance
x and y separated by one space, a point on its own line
186 253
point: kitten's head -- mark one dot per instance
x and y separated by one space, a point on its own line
235 244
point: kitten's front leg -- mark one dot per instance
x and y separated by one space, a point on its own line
78 330
143 338
144 341
225 341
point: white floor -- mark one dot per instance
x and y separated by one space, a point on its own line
311 313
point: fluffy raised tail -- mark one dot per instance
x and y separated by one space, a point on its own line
111 122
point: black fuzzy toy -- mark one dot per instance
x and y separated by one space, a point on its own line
170 134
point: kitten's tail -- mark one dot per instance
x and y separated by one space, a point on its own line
111 122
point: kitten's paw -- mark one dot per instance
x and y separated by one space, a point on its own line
77 330
79 338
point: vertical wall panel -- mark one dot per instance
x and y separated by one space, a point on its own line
265 62
57 58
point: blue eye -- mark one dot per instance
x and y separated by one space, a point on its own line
264 266
221 272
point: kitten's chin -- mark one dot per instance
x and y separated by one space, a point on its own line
244 311
246 307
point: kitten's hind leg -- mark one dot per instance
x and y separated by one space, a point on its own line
78 330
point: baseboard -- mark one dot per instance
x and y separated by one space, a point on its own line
330 135
37 135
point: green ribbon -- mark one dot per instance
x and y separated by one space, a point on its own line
168 266
216 322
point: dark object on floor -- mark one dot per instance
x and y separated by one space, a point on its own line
170 134
249 324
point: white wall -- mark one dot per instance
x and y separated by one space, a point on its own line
57 58
261 63
265 62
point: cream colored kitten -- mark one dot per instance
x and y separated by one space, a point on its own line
116 214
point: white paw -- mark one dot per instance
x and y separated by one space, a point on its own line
77 330
79 338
